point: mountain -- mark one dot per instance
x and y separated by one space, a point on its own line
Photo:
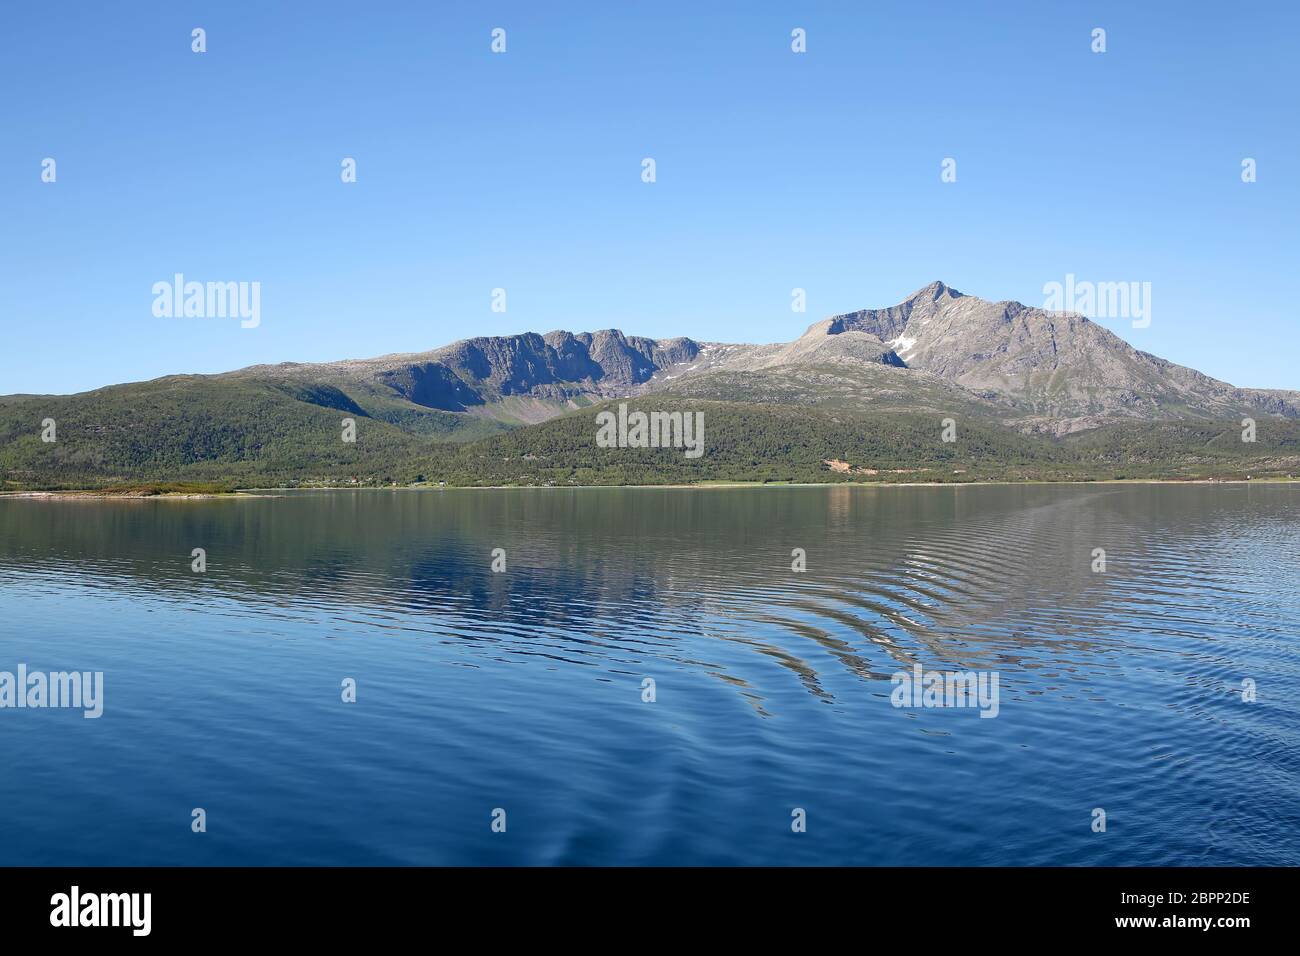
1059 369
1031 368
1036 388
513 379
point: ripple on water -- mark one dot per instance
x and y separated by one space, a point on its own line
524 690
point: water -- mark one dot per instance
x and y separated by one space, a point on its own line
523 690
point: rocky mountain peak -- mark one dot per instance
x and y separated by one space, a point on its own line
933 293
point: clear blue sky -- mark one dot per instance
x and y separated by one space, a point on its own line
522 171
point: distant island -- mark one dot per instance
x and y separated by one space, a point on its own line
942 387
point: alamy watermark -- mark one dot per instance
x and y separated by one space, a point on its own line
1100 300
82 690
75 908
651 430
946 689
208 300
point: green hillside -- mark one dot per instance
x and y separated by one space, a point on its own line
192 428
785 443
248 432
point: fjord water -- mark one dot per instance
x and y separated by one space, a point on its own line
522 690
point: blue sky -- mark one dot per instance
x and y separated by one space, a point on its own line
522 171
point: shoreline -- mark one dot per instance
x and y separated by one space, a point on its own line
93 495
840 484
276 492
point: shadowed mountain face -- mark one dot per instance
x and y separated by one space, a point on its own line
515 379
591 361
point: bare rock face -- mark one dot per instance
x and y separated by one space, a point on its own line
620 362
506 365
573 361
431 385
1060 365
666 353
517 364
889 324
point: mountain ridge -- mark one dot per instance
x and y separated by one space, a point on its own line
1053 371
1002 368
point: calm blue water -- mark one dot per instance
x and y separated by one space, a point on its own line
523 690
